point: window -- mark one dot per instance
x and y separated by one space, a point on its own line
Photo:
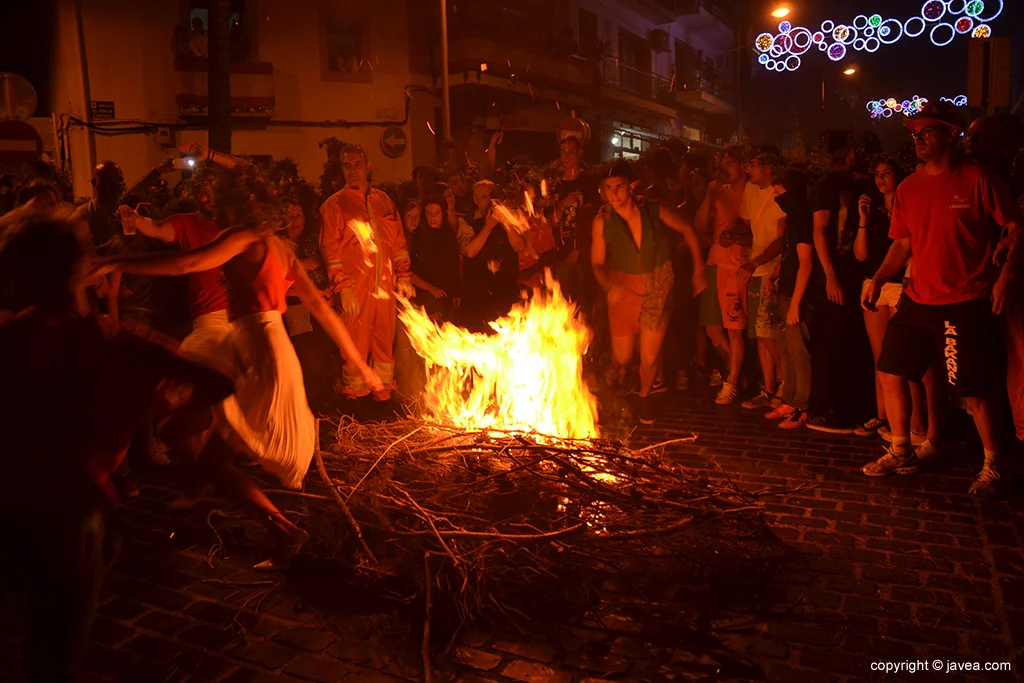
344 46
192 42
588 33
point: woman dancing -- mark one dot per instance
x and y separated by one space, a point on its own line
269 417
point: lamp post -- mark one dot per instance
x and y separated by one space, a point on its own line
780 12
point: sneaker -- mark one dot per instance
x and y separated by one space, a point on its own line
870 427
646 413
682 381
916 438
659 387
784 410
828 425
796 420
926 452
985 483
716 379
891 463
762 400
727 395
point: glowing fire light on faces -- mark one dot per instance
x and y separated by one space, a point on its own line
528 376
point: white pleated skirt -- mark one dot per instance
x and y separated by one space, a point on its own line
269 413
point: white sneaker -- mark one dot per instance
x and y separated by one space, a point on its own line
927 452
916 438
727 395
985 483
891 463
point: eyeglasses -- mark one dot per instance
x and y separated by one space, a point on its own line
920 135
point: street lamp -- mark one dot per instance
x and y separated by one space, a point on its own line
780 12
849 72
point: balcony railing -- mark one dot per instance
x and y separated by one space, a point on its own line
709 81
720 9
636 81
527 24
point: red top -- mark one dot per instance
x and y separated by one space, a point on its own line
205 290
72 401
264 291
953 220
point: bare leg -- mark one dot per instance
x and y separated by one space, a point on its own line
737 342
917 414
650 353
768 354
716 333
701 348
986 419
877 322
897 403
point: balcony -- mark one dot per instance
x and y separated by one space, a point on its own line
638 88
513 37
708 91
252 89
712 19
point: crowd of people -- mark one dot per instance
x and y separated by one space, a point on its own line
854 293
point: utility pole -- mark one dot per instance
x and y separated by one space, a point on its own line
446 105
218 77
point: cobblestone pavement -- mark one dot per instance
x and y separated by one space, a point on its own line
901 569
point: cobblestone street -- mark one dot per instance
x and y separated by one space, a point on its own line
906 568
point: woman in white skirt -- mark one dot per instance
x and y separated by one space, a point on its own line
269 417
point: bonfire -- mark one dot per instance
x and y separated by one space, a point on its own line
503 497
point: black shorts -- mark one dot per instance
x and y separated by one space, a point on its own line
962 341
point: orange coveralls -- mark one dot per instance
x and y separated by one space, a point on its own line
369 264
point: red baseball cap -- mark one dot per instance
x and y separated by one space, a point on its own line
936 113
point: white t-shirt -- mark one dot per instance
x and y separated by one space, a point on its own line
759 207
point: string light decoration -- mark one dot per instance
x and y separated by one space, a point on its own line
883 109
942 20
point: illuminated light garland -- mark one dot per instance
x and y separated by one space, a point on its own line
943 20
912 107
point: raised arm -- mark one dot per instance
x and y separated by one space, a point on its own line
226 246
159 231
204 153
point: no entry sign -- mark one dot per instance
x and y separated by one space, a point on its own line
19 144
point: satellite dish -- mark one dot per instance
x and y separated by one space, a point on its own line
18 99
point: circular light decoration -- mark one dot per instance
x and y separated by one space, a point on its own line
964 25
780 65
828 25
868 32
960 101
939 40
995 7
770 65
891 30
956 6
841 33
860 21
836 51
891 102
784 42
934 9
872 44
818 37
975 8
872 105
887 113
763 59
982 31
906 104
764 42
914 27
859 44
801 39
785 27
898 107
792 63
823 46
909 107
776 50
875 20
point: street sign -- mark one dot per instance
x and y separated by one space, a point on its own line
393 142
20 143
101 110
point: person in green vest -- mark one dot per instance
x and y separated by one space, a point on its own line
632 262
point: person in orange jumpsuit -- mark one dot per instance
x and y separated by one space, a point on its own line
367 259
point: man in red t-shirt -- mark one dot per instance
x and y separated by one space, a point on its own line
74 390
948 216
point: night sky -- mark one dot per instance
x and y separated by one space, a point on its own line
912 66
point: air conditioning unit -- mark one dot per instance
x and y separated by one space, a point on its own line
659 40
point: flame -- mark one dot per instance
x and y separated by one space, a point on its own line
528 203
543 187
512 218
527 377
364 233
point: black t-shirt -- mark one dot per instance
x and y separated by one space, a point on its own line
566 230
878 244
799 230
838 192
481 282
435 259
